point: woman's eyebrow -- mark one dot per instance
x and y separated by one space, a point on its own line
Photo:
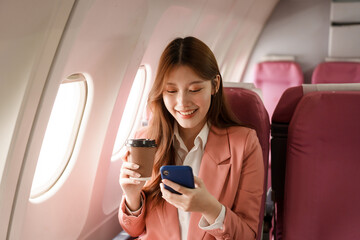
194 82
197 82
170 83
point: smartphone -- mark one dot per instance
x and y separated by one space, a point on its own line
182 175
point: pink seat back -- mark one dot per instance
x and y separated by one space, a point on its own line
337 72
273 78
249 109
321 166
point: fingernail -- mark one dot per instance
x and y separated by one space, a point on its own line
137 174
135 166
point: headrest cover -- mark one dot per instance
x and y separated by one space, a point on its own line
286 72
291 97
273 58
330 87
337 72
239 85
250 86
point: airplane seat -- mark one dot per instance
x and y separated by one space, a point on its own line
336 72
274 77
315 162
250 110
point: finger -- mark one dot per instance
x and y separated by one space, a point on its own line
176 187
129 173
164 192
125 181
170 197
130 165
198 182
125 156
126 167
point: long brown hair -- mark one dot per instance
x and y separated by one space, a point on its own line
197 55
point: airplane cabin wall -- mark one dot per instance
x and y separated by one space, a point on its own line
30 34
106 41
105 44
297 28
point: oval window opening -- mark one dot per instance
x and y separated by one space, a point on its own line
61 133
130 115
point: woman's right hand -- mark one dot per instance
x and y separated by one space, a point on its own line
131 187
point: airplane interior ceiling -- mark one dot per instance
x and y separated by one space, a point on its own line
106 41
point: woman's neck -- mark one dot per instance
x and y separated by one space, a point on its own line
188 135
188 138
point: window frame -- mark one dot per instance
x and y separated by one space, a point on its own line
119 151
68 154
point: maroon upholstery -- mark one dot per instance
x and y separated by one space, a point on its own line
321 165
273 78
249 109
337 72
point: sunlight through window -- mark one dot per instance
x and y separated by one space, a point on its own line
61 133
130 113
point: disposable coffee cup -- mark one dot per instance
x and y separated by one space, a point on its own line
142 152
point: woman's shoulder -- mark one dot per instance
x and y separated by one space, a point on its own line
241 130
236 133
243 136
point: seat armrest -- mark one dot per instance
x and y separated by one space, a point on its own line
268 214
123 236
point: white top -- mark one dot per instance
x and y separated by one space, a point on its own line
193 158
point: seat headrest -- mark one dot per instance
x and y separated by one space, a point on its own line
291 97
250 110
277 58
279 72
330 87
337 72
250 86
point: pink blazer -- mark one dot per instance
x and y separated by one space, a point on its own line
233 172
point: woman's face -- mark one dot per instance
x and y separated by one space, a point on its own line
187 97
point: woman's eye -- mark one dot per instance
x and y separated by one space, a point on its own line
171 91
196 90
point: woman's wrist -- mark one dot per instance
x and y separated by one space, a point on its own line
212 211
133 203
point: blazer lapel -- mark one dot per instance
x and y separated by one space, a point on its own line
214 169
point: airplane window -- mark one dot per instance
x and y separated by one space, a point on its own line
130 114
61 133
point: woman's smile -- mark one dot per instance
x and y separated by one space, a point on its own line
187 114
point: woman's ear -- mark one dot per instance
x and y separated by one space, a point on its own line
216 85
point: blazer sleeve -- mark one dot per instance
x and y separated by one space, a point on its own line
242 219
133 225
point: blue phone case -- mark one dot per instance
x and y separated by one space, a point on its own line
182 175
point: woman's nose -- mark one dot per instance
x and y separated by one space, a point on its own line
182 98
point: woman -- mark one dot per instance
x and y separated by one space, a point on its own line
192 126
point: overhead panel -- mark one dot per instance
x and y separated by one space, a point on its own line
345 29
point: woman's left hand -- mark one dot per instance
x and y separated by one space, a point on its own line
192 200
